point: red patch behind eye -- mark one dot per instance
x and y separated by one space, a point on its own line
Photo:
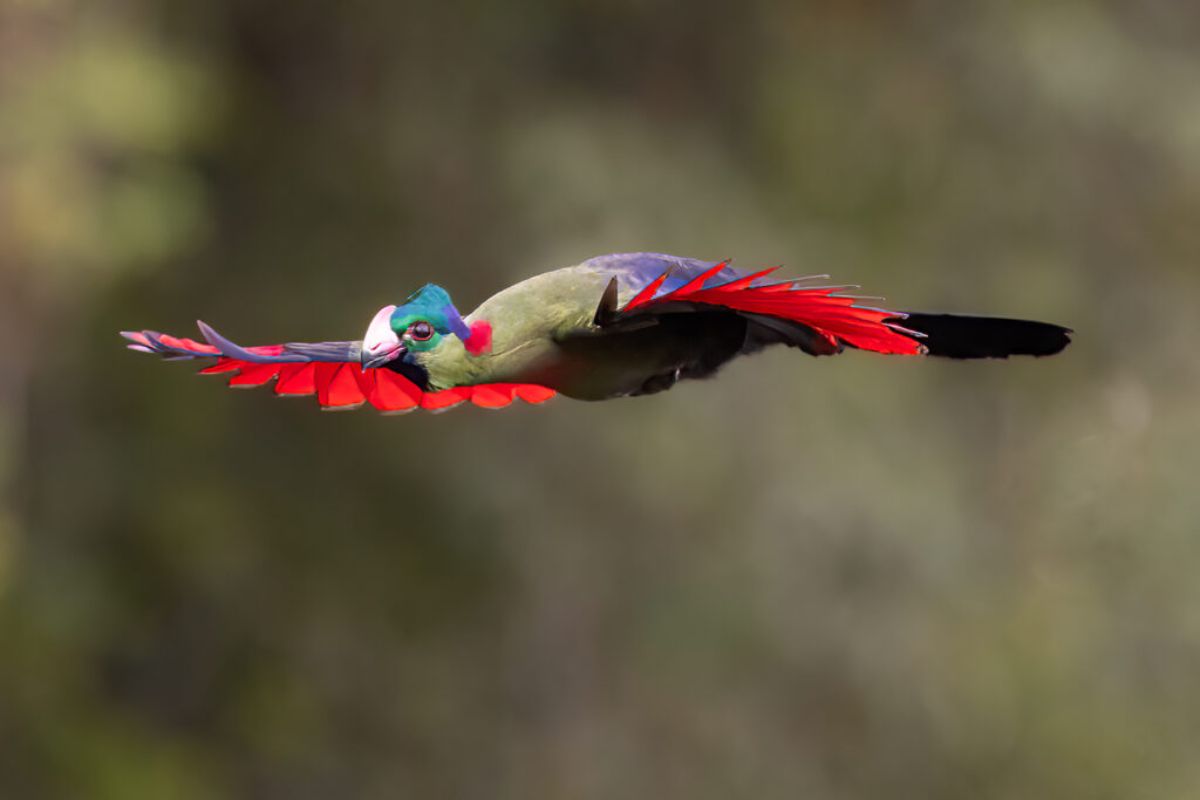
480 340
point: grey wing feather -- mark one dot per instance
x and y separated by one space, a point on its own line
293 352
290 353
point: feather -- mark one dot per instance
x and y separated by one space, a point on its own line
646 295
836 318
957 336
332 372
606 310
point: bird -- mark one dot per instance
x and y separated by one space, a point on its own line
620 325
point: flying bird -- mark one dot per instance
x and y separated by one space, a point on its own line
613 326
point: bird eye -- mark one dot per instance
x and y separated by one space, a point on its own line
420 331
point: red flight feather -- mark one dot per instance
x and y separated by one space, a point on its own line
340 385
834 316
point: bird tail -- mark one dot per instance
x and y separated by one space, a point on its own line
957 336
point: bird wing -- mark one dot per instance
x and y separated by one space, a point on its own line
330 370
820 319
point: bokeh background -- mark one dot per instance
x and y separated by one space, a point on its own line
843 578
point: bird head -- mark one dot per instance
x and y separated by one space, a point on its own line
420 325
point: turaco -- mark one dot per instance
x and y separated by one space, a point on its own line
614 326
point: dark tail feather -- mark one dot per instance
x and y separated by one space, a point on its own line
954 336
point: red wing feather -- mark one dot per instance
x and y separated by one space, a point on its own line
338 385
222 365
295 379
834 316
646 295
390 392
251 375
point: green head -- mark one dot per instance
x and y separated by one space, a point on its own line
420 325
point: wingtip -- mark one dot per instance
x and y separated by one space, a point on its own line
966 336
208 333
1066 339
223 345
1060 341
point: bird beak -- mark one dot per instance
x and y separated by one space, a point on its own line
380 343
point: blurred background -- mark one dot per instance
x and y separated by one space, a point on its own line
842 578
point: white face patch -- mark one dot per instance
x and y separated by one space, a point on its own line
380 341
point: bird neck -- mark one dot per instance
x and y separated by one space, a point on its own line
450 364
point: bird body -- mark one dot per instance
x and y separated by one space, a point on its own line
617 325
528 320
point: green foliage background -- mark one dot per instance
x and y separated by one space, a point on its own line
844 578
